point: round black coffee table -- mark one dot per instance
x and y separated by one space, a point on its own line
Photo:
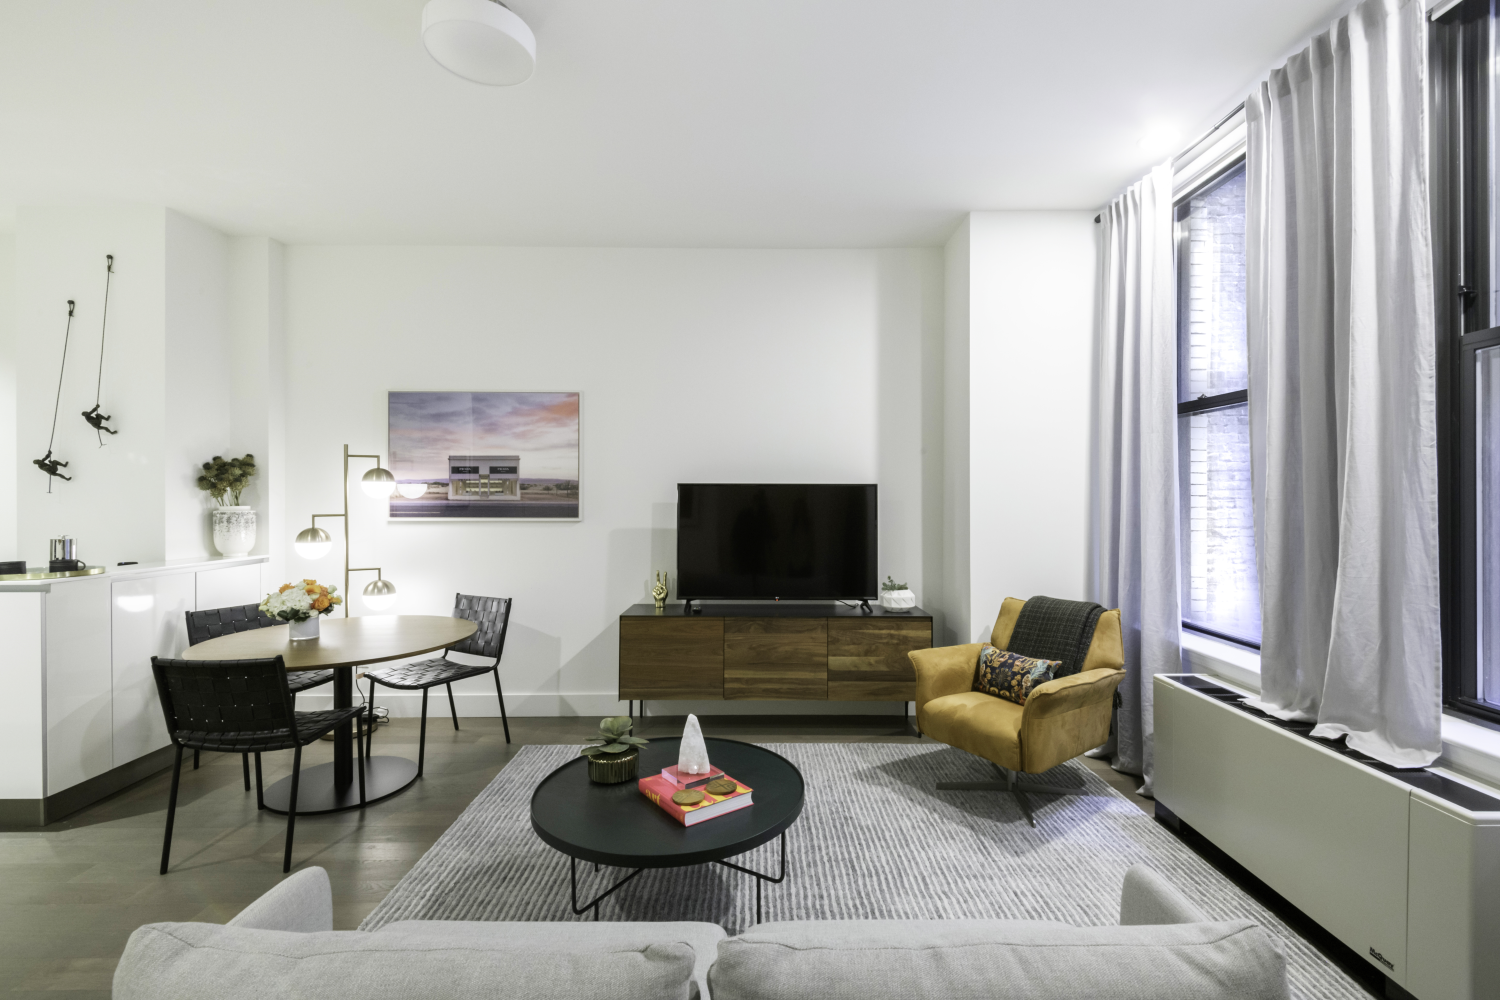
616 825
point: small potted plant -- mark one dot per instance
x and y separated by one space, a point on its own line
301 605
234 524
617 757
896 597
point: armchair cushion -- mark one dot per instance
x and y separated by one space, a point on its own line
974 721
1010 675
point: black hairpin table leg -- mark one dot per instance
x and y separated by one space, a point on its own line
759 878
594 904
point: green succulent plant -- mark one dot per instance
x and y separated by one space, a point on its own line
891 584
614 737
224 481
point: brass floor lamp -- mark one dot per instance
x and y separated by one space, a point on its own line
314 542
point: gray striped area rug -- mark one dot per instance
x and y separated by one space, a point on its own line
875 840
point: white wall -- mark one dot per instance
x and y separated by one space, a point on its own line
1030 312
115 502
694 365
258 367
197 375
957 627
172 381
7 396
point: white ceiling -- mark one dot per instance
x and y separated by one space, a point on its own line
648 122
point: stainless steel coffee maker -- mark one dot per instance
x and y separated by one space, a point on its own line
64 556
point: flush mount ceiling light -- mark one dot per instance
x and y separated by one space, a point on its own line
479 40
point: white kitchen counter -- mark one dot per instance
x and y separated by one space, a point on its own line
81 718
136 570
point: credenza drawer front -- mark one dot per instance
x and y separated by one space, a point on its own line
867 658
782 658
671 658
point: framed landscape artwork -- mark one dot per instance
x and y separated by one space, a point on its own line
485 455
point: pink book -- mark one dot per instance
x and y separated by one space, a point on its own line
682 781
659 790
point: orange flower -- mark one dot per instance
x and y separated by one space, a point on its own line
284 588
336 600
320 604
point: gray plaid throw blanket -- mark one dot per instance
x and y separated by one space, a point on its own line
1051 629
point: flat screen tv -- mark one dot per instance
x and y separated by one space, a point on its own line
764 541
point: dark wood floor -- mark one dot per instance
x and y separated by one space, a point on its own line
71 893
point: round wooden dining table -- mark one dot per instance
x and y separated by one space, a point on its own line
342 645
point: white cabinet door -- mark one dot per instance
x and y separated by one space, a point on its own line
149 620
22 723
229 587
79 724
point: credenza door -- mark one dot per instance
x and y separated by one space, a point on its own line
671 658
867 658
776 658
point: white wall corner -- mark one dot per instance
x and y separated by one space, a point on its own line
957 621
8 456
257 385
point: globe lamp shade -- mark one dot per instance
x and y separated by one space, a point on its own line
412 490
479 40
379 594
313 543
378 483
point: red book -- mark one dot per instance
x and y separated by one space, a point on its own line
685 781
659 790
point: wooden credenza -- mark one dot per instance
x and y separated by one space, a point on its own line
814 652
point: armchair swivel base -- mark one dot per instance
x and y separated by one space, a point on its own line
1018 788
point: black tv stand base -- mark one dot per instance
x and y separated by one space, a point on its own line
865 607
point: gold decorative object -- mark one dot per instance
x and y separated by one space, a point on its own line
720 786
660 592
689 797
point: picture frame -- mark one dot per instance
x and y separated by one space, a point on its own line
485 456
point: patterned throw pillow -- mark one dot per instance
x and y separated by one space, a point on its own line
1010 675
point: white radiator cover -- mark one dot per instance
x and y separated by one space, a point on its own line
1409 877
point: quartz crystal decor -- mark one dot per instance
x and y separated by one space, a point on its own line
692 756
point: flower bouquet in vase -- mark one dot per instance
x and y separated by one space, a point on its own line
301 605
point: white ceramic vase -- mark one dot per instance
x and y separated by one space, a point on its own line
307 629
234 530
898 600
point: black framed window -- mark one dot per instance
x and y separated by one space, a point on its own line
1464 144
1220 584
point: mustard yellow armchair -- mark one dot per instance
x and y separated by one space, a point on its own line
1060 720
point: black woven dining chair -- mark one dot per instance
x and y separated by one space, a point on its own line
242 706
214 622
493 616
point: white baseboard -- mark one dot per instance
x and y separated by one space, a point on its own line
483 705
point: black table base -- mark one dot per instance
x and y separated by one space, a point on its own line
594 903
319 791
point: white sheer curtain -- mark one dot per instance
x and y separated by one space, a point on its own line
1343 421
1133 535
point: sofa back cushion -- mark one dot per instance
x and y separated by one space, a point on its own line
190 961
1015 960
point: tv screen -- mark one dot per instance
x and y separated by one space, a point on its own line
761 540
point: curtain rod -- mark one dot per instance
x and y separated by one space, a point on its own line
1440 8
1218 125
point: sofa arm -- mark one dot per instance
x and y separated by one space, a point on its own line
303 902
1067 694
945 670
1147 898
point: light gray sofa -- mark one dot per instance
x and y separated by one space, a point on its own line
282 945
